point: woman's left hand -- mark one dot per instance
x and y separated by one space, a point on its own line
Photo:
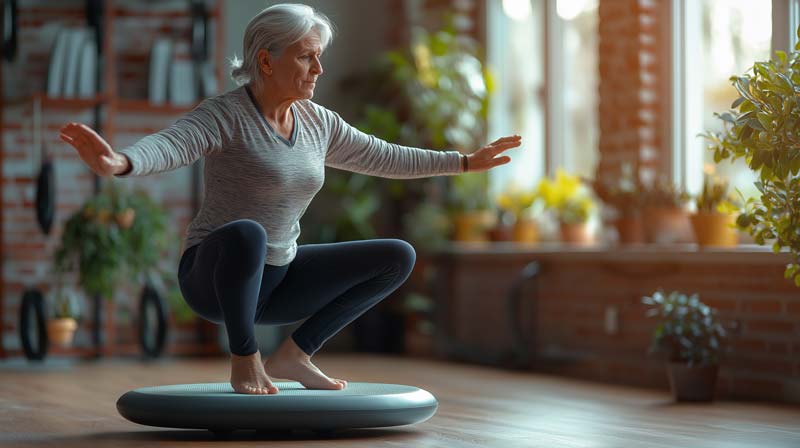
486 157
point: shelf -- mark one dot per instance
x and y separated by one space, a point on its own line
172 13
56 103
131 105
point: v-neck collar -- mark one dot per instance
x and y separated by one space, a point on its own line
293 139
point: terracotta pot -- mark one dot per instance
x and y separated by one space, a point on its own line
667 225
714 229
526 231
61 331
472 226
696 383
501 233
576 233
630 230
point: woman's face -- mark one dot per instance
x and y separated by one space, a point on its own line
296 71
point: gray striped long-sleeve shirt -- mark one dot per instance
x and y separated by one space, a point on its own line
251 172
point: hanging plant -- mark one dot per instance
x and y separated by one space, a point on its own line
115 236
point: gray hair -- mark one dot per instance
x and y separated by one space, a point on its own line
274 29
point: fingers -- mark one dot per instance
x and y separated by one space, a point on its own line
500 147
510 138
500 161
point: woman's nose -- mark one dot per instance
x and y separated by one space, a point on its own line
317 66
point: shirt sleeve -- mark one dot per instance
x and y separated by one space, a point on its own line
352 150
196 134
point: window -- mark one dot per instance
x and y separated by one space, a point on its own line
712 40
543 54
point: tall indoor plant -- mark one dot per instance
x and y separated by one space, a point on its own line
431 93
691 336
761 128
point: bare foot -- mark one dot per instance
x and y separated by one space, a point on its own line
291 363
248 375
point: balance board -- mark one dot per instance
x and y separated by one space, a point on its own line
216 407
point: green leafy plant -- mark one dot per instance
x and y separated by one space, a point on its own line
624 193
761 128
468 193
65 304
430 93
715 196
689 331
664 193
115 235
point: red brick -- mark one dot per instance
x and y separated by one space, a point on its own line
770 326
763 306
793 308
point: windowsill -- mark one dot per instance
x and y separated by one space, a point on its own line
685 253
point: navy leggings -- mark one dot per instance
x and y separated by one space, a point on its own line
224 279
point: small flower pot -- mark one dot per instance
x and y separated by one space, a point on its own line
61 331
667 225
630 230
472 226
712 229
526 231
695 383
579 234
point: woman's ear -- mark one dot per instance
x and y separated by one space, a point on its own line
264 62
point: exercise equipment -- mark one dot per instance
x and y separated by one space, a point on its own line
32 313
217 408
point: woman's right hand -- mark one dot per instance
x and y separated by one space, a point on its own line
95 152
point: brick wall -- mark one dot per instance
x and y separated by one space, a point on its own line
564 311
28 252
632 53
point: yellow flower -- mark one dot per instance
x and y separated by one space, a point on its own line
422 59
567 196
516 200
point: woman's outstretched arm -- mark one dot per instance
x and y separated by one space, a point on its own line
352 150
95 152
192 136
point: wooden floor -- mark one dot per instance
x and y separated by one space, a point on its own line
72 404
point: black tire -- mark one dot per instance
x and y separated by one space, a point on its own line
33 302
152 347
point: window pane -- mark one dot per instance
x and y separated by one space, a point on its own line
579 91
515 45
735 34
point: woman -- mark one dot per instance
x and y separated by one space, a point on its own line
265 146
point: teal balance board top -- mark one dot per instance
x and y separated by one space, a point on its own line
216 407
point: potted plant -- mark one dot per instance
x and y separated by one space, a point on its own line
468 205
115 235
569 199
64 316
665 216
691 336
714 222
762 129
622 192
517 203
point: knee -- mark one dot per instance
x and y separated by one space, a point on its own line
245 241
404 254
246 234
